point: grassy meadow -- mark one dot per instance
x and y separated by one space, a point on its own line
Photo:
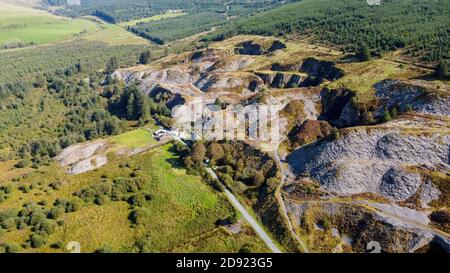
153 18
135 139
32 26
180 216
114 35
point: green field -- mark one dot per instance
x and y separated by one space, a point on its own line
180 216
114 35
135 139
153 18
30 26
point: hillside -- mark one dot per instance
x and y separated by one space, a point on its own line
224 126
418 27
22 26
129 200
165 21
117 11
371 165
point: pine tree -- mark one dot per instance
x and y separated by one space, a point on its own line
394 112
363 53
145 57
442 70
141 106
386 115
112 65
130 107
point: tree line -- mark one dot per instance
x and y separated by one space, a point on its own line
419 27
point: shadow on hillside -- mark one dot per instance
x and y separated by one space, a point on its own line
176 162
429 77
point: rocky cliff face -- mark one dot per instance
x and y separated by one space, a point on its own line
84 157
281 80
376 159
415 95
321 69
372 184
259 47
351 226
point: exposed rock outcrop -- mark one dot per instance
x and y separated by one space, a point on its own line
294 81
416 95
230 82
84 157
321 69
259 47
375 159
280 80
396 229
285 67
171 98
336 103
311 81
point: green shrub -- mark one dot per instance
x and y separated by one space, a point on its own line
22 164
137 200
9 224
104 249
442 70
7 189
12 248
37 241
138 216
145 245
58 245
234 218
45 227
69 206
386 115
56 212
335 134
246 248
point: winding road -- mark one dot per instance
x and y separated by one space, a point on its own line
235 202
247 216
279 197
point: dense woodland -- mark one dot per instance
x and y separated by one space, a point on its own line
116 11
202 14
27 63
421 27
169 30
61 96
